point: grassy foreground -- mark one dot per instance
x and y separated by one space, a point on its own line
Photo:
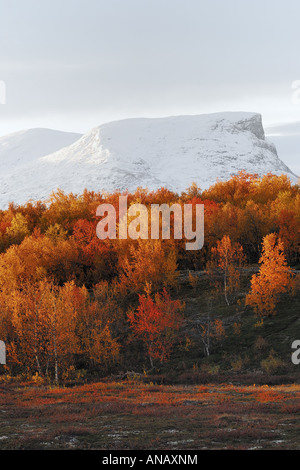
131 415
237 398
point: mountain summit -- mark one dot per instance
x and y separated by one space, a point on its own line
171 152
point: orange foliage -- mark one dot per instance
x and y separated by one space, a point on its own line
63 292
274 277
223 268
149 261
156 322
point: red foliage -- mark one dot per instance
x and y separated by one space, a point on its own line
156 322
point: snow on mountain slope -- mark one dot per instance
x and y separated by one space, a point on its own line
171 152
21 148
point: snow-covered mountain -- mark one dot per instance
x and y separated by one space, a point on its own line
22 148
171 152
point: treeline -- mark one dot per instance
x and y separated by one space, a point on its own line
246 208
69 300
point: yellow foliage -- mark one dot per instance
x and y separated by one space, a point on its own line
274 278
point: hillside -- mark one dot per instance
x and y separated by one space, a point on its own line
26 147
253 353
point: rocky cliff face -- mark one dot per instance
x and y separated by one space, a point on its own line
171 152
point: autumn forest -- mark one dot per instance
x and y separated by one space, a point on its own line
75 306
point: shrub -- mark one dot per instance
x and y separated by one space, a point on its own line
272 364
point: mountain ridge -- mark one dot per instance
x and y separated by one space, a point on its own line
147 152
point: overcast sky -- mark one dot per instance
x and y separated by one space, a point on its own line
74 64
